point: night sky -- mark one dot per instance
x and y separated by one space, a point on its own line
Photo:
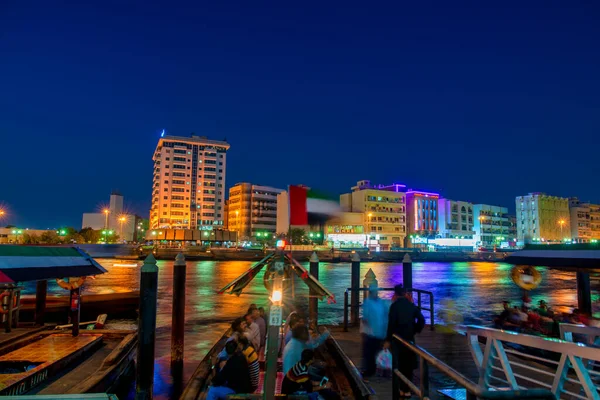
480 104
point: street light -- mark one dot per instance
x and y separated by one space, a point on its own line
369 227
481 218
562 223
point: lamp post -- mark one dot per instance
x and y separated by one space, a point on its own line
369 215
106 211
481 218
2 212
121 221
561 222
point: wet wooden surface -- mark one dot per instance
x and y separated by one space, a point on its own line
451 348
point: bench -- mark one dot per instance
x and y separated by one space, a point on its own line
261 383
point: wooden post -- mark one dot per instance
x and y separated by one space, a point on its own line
9 316
584 294
355 285
178 314
75 308
407 281
41 292
146 330
313 302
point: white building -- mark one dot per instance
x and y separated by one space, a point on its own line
543 218
113 218
252 210
188 189
455 219
493 226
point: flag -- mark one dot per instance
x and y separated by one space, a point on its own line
304 201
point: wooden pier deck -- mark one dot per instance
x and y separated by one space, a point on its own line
451 348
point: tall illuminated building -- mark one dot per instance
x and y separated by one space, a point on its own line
422 213
188 187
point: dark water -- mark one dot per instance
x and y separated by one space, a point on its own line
474 289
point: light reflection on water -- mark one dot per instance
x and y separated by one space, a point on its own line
477 290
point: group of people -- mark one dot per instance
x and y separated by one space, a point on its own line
237 369
380 322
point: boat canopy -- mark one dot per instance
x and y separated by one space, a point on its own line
35 263
556 258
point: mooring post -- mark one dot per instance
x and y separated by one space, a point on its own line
75 307
313 302
178 314
369 281
41 291
355 285
407 281
146 329
584 293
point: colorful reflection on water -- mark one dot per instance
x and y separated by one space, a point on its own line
476 289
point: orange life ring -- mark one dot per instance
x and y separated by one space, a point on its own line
526 276
70 283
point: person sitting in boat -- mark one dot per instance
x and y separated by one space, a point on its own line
238 328
252 360
292 352
543 309
298 380
253 331
234 377
295 320
259 318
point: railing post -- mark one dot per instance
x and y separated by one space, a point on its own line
431 312
419 300
346 311
584 294
41 292
370 280
355 285
424 378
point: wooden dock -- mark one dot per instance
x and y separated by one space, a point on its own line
451 348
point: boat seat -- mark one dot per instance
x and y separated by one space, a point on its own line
262 360
261 383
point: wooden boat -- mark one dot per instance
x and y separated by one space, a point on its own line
121 305
343 375
47 362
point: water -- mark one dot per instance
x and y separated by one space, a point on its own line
475 289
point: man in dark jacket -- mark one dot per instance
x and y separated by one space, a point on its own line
234 377
405 319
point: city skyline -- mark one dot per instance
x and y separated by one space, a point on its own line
477 103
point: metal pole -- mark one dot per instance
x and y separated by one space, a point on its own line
355 285
407 272
313 302
346 311
424 378
178 313
41 291
146 329
275 319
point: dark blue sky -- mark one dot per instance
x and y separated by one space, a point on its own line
479 103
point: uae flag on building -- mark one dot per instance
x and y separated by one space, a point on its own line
308 206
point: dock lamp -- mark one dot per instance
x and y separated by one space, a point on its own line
275 321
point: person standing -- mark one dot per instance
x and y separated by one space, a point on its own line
262 327
373 329
405 320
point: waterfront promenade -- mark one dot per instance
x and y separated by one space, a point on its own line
450 348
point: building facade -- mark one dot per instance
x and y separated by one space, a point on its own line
188 189
455 219
252 210
493 226
114 218
585 221
346 230
384 212
422 214
542 218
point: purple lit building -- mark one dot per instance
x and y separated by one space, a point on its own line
422 213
